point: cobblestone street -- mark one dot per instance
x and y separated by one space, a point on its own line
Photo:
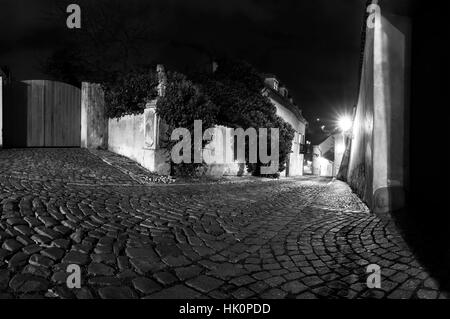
292 238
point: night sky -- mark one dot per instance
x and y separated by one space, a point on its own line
312 46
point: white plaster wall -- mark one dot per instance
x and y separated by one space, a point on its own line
289 117
390 83
126 137
322 166
295 158
377 158
339 149
327 145
359 174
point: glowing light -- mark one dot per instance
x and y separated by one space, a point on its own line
345 123
323 161
340 148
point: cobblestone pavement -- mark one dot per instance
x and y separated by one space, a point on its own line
293 238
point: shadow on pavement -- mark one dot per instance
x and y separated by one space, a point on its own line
426 223
428 239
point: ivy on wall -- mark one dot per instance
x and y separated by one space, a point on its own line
231 97
182 104
235 88
129 93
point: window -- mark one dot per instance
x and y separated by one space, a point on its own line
296 136
303 147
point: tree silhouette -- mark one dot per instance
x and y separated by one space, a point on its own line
115 36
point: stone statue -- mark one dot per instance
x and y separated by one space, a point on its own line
162 79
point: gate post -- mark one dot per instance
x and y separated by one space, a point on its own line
157 157
94 126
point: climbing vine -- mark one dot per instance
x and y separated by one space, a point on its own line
129 93
231 97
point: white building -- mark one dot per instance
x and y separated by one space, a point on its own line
327 156
292 114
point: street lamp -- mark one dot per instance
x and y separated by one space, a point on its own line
345 123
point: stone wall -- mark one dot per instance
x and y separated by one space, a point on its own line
137 137
378 154
126 137
133 136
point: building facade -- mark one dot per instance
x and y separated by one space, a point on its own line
278 94
327 156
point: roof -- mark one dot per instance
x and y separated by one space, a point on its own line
282 99
268 75
286 103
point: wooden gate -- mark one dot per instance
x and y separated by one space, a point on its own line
41 113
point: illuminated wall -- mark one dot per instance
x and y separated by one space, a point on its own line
377 164
294 166
323 164
339 149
